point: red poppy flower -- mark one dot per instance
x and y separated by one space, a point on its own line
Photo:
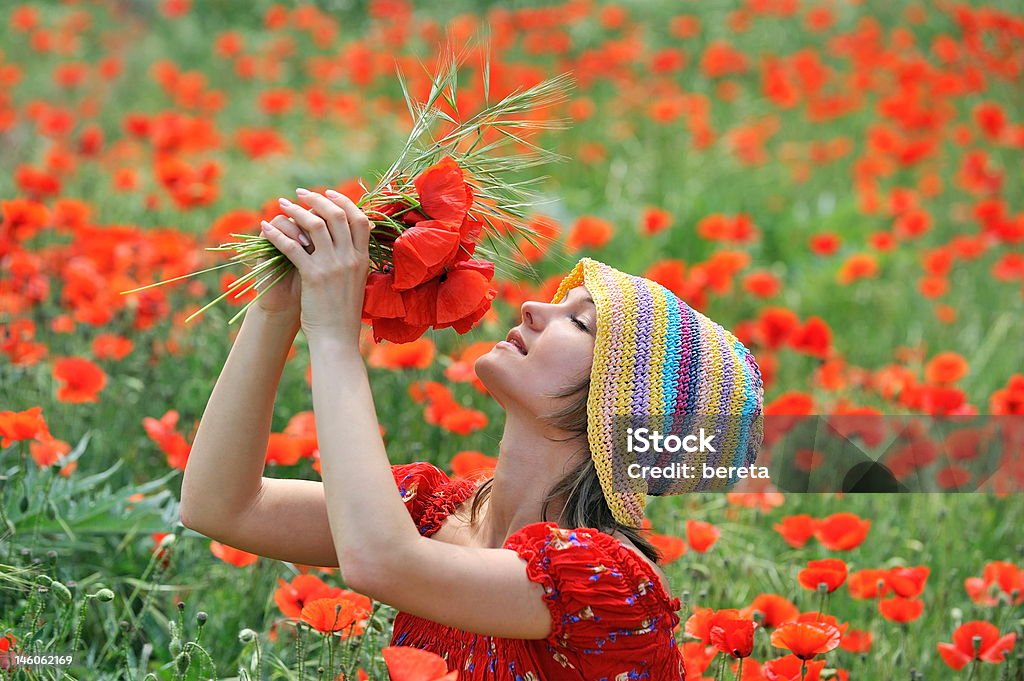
111 346
998 576
775 608
412 664
48 451
806 639
7 644
328 614
292 597
792 668
22 425
655 220
589 232
830 571
699 624
908 582
842 531
796 529
463 421
814 338
442 192
473 464
670 547
869 583
283 450
733 635
902 610
820 617
992 647
946 368
462 367
461 292
418 354
171 442
422 252
82 380
232 556
701 535
381 299
856 641
696 657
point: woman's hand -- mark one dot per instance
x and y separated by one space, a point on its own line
333 275
283 298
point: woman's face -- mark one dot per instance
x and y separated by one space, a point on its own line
549 352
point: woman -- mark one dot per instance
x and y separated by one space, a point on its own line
540 572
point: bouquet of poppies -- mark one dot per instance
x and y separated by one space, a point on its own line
435 212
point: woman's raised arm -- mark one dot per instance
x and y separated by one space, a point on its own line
223 492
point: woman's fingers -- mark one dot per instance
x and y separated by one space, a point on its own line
291 248
288 227
314 225
359 225
336 217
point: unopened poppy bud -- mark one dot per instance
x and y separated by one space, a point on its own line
246 636
43 579
104 595
63 593
957 614
181 606
183 661
201 617
174 647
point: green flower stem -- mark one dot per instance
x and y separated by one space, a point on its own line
283 269
184 276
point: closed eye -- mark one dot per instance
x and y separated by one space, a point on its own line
580 323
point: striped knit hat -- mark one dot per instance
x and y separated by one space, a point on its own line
661 365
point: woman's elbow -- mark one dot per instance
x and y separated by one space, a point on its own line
361 575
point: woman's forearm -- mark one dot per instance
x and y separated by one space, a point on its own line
225 466
368 519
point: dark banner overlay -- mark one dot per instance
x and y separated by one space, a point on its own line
851 453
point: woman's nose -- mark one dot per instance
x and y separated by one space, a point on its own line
531 312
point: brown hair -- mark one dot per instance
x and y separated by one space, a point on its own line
585 505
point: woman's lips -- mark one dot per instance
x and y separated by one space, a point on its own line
509 346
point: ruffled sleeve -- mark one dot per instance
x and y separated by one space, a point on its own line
604 600
428 493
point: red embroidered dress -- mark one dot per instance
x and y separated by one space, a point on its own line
611 618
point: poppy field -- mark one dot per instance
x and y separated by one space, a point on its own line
838 182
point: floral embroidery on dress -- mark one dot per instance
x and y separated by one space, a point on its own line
408 493
600 594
